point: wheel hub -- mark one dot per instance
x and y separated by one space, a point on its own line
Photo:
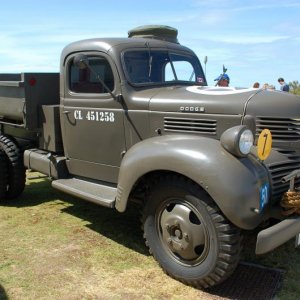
174 234
182 233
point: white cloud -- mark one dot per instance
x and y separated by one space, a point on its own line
237 5
266 6
244 39
174 18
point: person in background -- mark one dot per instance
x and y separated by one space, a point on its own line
223 80
256 85
265 86
283 86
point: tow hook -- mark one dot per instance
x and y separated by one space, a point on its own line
291 199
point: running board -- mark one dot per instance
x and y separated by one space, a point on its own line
91 191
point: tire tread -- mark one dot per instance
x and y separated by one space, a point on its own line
228 235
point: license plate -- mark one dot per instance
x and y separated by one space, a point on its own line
264 196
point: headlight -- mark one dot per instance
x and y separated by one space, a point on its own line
246 141
237 140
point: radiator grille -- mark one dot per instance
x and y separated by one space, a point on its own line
203 126
282 129
280 169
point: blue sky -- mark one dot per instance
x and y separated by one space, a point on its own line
255 40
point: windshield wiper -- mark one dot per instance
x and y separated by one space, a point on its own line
172 66
150 60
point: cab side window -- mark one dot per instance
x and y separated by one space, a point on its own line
85 81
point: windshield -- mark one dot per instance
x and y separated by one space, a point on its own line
160 67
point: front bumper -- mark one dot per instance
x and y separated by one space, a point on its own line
276 235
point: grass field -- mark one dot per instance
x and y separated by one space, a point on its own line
54 246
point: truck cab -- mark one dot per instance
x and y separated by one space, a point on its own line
110 121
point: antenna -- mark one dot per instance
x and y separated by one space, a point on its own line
205 62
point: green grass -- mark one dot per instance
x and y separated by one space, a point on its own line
54 246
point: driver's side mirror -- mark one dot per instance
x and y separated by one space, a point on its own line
81 61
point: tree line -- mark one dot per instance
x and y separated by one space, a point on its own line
295 87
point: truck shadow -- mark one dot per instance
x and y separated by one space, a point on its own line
3 295
123 228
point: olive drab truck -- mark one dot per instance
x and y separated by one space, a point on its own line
133 120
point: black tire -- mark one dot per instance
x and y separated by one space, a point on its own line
3 175
187 233
16 170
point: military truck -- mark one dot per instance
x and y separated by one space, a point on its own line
132 120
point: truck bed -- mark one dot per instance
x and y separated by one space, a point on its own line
22 96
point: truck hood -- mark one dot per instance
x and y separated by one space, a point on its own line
226 100
277 104
208 100
278 111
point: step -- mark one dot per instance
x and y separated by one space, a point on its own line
99 193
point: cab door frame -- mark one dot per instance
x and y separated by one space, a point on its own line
92 126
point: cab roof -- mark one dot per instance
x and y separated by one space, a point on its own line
105 44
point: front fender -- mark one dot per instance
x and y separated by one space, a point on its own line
233 183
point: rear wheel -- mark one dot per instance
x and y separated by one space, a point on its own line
3 175
188 235
16 170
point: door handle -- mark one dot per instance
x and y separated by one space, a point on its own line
66 112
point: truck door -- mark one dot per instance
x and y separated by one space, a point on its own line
92 120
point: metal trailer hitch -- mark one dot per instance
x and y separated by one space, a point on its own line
291 177
291 199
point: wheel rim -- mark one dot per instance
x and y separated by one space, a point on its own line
183 232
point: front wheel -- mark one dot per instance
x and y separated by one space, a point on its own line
187 233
